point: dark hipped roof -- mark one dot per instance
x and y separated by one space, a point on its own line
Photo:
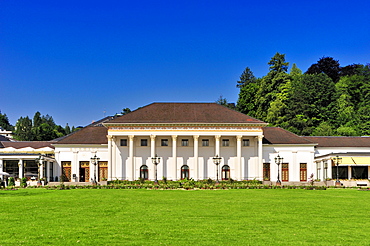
24 144
332 141
277 135
185 113
87 135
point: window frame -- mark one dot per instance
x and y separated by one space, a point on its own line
244 141
185 142
123 142
143 142
164 142
205 142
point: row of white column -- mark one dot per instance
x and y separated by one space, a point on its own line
20 166
112 153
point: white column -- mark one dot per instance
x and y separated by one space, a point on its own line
1 168
217 145
239 167
48 171
131 156
109 157
260 164
75 167
41 169
174 156
114 158
20 166
196 157
152 145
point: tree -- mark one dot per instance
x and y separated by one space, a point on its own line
247 99
278 63
67 129
246 78
4 122
223 101
272 88
23 129
125 111
326 65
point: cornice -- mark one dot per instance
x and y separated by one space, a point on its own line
109 125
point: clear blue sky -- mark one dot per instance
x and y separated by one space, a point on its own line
76 59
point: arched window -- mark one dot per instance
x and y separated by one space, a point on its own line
225 172
185 172
144 172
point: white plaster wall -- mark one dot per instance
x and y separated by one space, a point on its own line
76 154
294 155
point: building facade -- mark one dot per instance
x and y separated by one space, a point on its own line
185 140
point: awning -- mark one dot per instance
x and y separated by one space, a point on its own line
353 161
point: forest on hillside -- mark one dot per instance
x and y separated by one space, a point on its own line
325 100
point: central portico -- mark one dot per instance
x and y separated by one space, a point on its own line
186 137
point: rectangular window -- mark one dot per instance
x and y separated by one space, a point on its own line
225 143
184 142
285 172
144 142
245 142
123 142
164 142
266 171
205 142
303 171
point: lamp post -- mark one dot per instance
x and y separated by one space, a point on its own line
217 161
278 161
337 160
156 161
39 161
94 161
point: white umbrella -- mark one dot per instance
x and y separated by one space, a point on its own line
4 173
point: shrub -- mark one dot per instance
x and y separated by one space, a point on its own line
11 182
24 182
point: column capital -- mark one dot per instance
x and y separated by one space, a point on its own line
260 137
152 137
174 137
110 137
196 137
239 137
217 137
131 137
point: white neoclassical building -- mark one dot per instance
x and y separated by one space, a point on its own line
187 138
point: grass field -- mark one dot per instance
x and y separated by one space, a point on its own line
180 217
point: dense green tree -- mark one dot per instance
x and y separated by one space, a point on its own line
326 100
223 101
23 129
4 122
312 96
67 129
273 90
247 99
125 111
324 129
326 65
246 78
278 63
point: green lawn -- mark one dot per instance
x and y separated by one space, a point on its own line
180 217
